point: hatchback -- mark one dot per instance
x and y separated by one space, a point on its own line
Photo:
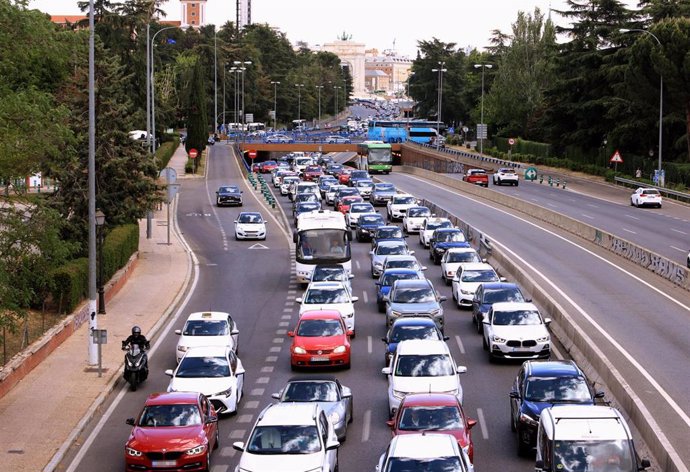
320 340
646 197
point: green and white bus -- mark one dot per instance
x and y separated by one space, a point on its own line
378 155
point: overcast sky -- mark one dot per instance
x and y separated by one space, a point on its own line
377 24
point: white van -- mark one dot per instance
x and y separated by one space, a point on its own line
576 438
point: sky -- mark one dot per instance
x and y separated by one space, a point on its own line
382 24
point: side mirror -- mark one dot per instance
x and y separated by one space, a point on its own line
130 421
384 340
331 445
298 299
178 331
461 369
238 446
391 424
528 300
442 298
547 321
386 371
471 423
502 279
644 464
350 333
411 253
600 394
294 238
514 394
235 331
275 395
355 299
371 253
291 334
169 372
446 338
212 419
424 267
236 223
378 284
351 276
347 393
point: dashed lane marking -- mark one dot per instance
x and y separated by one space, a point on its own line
227 452
286 317
257 392
629 230
482 423
271 358
251 405
366 426
588 216
287 310
633 217
678 231
278 340
267 369
357 264
281 332
276 349
284 323
369 344
460 345
263 380
679 249
365 297
238 433
245 418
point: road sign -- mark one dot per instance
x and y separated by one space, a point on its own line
169 174
511 141
172 191
531 173
249 118
193 153
251 154
482 131
616 157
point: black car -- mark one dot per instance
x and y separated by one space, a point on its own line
368 224
334 169
387 232
356 175
493 292
229 195
543 384
304 207
444 239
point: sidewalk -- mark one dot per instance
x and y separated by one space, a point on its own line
41 412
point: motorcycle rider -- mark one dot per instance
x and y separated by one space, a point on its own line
137 338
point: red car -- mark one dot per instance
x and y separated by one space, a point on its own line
437 412
268 166
344 176
320 340
312 173
477 177
345 202
174 432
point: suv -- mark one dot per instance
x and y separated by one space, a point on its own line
443 239
505 175
515 330
414 298
493 292
298 434
540 384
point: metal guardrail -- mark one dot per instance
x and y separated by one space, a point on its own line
676 195
458 152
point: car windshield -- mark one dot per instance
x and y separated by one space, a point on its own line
431 418
651 192
387 233
229 189
468 256
313 169
479 275
424 365
384 188
402 264
316 391
365 208
156 416
206 328
388 279
307 206
250 218
407 332
328 274
359 174
450 237
517 317
431 225
344 192
197 367
557 389
307 197
371 220
403 200
319 296
414 295
364 183
290 179
390 249
323 244
418 212
319 328
291 439
435 464
613 455
503 295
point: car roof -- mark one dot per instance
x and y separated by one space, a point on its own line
401 257
423 445
404 195
320 315
390 242
460 249
449 230
288 413
552 368
399 270
414 321
436 219
499 285
313 378
422 346
513 306
172 398
417 283
477 266
206 351
209 315
325 284
429 399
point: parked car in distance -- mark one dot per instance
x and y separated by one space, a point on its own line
646 197
477 177
229 195
516 330
505 175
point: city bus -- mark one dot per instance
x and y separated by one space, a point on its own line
299 125
379 156
390 131
321 237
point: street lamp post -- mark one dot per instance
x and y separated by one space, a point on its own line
318 88
299 102
661 99
100 229
150 89
91 164
243 68
215 80
440 71
275 84
335 108
483 126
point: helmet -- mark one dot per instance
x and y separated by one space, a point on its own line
136 330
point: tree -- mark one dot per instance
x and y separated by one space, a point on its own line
197 116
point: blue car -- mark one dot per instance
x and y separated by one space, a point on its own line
444 239
391 232
489 293
403 329
385 282
368 224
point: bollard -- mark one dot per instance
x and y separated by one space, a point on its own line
557 182
550 181
541 178
564 184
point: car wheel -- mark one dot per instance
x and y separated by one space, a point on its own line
512 420
208 462
448 282
382 308
631 202
480 327
485 345
216 445
517 183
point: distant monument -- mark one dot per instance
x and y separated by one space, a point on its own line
345 36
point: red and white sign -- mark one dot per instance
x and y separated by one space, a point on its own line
251 154
193 153
617 158
511 141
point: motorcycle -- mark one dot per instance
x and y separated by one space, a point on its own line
136 364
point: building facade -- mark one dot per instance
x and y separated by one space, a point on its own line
351 55
193 13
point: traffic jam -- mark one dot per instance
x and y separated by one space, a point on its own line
339 214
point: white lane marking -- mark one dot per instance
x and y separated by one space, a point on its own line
257 392
267 369
250 405
678 231
245 418
276 349
366 425
271 358
365 297
552 205
587 216
286 317
369 344
284 323
679 249
556 352
482 423
263 380
592 205
287 310
228 451
629 230
278 340
237 433
460 346
633 217
357 264
281 332
292 292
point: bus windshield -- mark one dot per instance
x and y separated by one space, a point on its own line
380 156
323 245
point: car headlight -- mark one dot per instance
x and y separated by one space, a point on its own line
224 393
339 350
195 451
378 265
465 291
334 417
450 273
398 394
299 350
395 313
440 249
133 452
497 339
528 420
544 339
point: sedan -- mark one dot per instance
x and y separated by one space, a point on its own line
320 340
515 330
305 207
404 262
279 139
414 219
381 193
175 431
388 232
345 202
386 248
312 173
429 226
454 258
335 139
467 279
214 371
365 186
405 329
398 205
334 399
332 273
356 211
286 182
207 328
332 191
229 195
386 280
434 412
367 226
414 298
444 239
330 296
646 197
250 225
334 169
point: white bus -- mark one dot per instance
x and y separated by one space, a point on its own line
299 125
322 237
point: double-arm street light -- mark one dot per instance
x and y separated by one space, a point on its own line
275 84
661 97
482 125
440 71
241 65
299 102
318 88
336 89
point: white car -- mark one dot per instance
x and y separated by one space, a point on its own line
424 451
454 258
429 226
332 191
646 197
215 371
414 219
287 182
207 328
355 211
365 186
403 261
422 366
330 296
516 330
505 175
383 249
397 206
467 279
290 437
250 225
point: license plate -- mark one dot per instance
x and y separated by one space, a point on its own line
164 463
319 359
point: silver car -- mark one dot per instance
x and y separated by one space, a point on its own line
414 298
384 249
381 193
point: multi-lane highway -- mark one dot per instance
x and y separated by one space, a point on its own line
255 283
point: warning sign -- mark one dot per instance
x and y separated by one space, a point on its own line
617 158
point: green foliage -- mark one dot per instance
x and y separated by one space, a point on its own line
165 152
197 119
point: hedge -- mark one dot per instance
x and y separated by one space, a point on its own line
166 150
71 281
